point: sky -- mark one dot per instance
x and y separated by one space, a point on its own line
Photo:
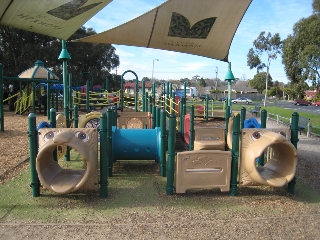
274 16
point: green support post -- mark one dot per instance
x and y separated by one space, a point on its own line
263 125
181 127
103 156
146 98
294 141
243 117
53 123
207 108
191 143
158 116
227 116
263 118
76 115
143 96
114 116
154 116
150 104
171 154
167 102
163 136
48 97
109 141
32 133
235 155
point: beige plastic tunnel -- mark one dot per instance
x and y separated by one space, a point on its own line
51 175
280 167
281 162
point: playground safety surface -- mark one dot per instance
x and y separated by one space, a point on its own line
130 213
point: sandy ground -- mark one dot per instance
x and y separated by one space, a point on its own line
298 220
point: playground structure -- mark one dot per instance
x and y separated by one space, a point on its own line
212 168
149 143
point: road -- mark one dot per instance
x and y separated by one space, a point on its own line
295 108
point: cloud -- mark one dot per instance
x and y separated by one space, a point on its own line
188 67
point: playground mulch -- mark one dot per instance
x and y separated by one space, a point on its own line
14 144
256 213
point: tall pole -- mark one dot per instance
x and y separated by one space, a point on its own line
216 80
153 68
266 93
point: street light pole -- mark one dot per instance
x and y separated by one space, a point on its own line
153 68
216 81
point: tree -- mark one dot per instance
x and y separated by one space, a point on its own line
146 79
20 49
259 81
202 83
264 46
301 50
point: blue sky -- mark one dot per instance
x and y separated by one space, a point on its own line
274 16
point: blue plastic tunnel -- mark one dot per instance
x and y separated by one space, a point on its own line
136 144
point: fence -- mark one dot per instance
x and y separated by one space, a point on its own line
310 129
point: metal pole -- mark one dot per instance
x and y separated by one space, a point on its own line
263 125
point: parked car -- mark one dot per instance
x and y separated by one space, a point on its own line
203 96
301 102
241 100
223 99
316 104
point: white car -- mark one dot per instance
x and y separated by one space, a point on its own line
242 100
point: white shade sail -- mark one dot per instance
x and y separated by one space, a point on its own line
56 18
200 27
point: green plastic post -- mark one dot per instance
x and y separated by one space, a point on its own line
32 133
191 143
243 116
181 127
53 123
143 96
207 107
263 125
263 118
294 141
235 154
103 156
158 116
76 115
227 116
109 141
163 136
171 154
154 116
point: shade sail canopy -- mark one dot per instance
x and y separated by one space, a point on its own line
58 18
200 27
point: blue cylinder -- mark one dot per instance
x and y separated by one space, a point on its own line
136 144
